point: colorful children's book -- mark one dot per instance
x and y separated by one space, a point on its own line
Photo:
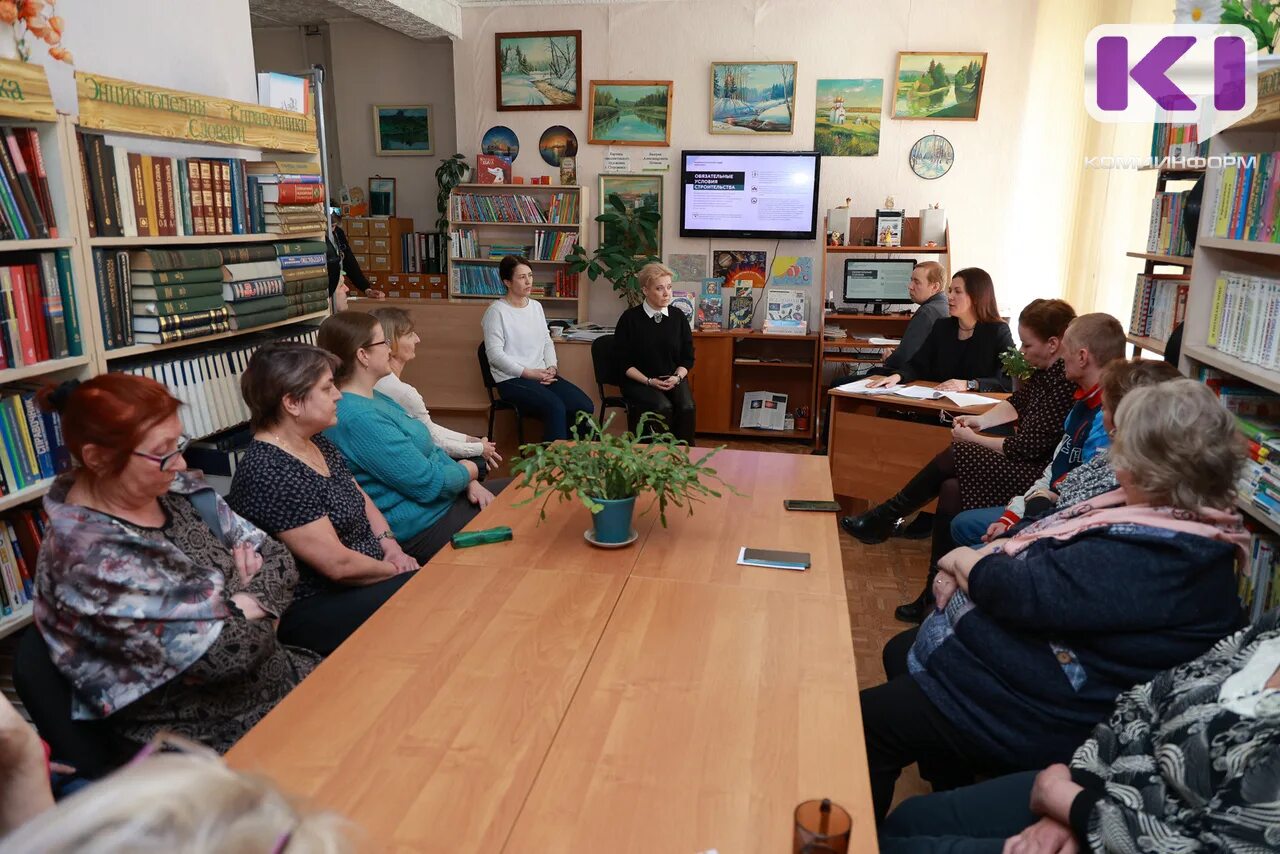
685 301
739 312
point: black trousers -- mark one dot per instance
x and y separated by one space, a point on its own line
323 621
974 820
423 545
938 479
675 406
903 727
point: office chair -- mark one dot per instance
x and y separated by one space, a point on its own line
606 371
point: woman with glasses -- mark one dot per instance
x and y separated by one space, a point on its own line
157 602
425 495
295 484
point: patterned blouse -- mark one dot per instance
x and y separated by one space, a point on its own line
1175 770
141 622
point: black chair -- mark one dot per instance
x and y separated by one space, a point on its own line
89 746
496 402
606 371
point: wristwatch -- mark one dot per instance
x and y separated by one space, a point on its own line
971 385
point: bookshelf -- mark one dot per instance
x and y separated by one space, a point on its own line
1216 256
1181 264
489 233
201 240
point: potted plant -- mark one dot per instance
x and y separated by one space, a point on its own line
1016 364
623 250
607 473
451 172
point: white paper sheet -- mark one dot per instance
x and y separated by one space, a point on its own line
885 342
860 387
960 398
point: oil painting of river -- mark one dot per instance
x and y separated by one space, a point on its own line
630 112
753 97
939 85
539 70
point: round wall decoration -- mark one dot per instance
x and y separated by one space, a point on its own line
502 141
932 156
557 142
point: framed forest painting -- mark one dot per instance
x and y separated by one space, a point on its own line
939 86
539 70
402 129
753 97
630 112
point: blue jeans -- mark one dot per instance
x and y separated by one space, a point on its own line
968 527
557 405
973 820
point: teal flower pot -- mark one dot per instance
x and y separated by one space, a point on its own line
613 523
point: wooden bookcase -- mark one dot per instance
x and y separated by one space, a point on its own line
544 272
1151 261
732 363
59 147
1257 134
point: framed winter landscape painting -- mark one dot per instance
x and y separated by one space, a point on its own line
539 70
753 97
938 86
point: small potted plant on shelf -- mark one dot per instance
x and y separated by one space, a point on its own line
451 172
624 248
607 473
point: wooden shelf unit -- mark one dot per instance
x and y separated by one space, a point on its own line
1157 259
518 232
1141 342
18 620
721 378
201 240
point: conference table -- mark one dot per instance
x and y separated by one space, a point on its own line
545 695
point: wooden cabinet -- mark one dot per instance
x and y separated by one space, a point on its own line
730 364
378 242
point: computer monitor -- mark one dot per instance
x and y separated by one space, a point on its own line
879 280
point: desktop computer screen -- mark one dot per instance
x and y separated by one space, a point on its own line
878 280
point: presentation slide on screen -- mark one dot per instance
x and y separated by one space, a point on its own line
877 280
748 193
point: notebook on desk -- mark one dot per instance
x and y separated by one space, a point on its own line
773 559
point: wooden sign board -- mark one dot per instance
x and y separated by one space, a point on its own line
24 92
110 104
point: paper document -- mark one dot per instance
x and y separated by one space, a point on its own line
860 387
885 342
960 398
917 392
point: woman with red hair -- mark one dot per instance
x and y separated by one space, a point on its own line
157 602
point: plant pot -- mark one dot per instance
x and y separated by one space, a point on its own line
613 523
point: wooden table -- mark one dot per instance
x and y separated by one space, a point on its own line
871 456
543 695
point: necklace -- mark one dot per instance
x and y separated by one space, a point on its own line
964 328
307 456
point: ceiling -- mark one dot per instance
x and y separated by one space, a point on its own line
392 14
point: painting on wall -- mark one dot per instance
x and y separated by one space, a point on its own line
688 267
847 123
939 86
539 70
382 196
932 156
501 141
753 97
400 129
557 143
630 112
740 268
637 192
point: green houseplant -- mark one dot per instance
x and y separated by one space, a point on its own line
1016 364
607 473
626 239
451 172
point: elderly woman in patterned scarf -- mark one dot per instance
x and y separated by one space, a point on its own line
157 602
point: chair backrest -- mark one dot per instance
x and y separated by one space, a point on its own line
486 374
602 362
90 746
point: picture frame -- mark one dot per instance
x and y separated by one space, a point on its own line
636 189
402 130
538 70
753 97
921 93
630 112
382 196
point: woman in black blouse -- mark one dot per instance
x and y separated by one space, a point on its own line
295 485
962 352
653 348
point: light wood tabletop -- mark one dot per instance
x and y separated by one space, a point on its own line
652 698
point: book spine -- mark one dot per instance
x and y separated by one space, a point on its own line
126 294
27 198
224 195
70 306
206 198
85 180
102 170
55 310
26 343
36 161
183 193
24 450
196 197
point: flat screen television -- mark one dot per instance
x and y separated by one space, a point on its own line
769 194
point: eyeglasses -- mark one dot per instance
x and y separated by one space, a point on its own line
375 344
183 443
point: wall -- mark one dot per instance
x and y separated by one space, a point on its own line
374 65
997 223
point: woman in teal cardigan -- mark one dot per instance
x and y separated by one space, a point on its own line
425 495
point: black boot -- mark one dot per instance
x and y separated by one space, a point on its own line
916 610
874 526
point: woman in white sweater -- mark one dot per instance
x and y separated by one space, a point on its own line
403 340
522 357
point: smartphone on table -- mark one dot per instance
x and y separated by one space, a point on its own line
812 505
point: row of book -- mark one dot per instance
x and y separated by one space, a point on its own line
483 280
208 382
1259 588
157 296
561 209
39 319
1245 318
144 195
1166 235
21 534
546 246
34 449
552 245
1159 304
26 203
1245 204
1176 141
423 252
